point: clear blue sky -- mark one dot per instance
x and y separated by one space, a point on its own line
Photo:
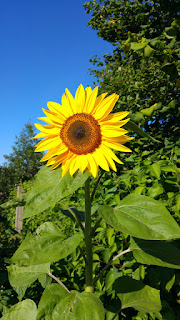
45 47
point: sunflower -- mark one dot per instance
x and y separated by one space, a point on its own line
80 132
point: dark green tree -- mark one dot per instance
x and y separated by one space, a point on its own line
6 182
144 65
22 164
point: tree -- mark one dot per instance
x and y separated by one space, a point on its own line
6 181
22 164
144 66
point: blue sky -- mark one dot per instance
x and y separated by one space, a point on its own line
45 47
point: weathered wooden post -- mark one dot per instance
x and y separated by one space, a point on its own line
19 211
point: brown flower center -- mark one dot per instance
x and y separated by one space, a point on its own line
81 133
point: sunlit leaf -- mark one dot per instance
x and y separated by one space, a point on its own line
56 303
141 217
49 187
48 245
25 275
24 310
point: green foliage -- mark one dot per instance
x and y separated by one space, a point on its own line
6 182
144 65
30 260
23 161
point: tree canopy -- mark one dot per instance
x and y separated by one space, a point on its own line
144 67
22 164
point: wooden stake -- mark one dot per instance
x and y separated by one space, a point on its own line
19 211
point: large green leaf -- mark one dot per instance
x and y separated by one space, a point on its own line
49 187
135 294
131 126
48 245
56 303
142 217
50 298
25 275
25 310
78 306
159 253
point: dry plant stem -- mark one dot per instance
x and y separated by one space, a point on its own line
73 214
57 280
109 263
88 239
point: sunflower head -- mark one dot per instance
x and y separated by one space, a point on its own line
80 132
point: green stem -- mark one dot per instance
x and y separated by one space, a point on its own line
88 239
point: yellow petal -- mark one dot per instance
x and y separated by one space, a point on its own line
121 139
56 108
100 159
67 110
71 101
47 128
80 99
50 162
110 162
92 165
114 124
73 166
83 162
76 164
88 91
105 107
113 117
54 116
40 135
65 167
45 119
98 101
53 152
48 143
59 159
117 146
112 132
91 102
110 153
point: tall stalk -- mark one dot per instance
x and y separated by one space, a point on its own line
88 239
